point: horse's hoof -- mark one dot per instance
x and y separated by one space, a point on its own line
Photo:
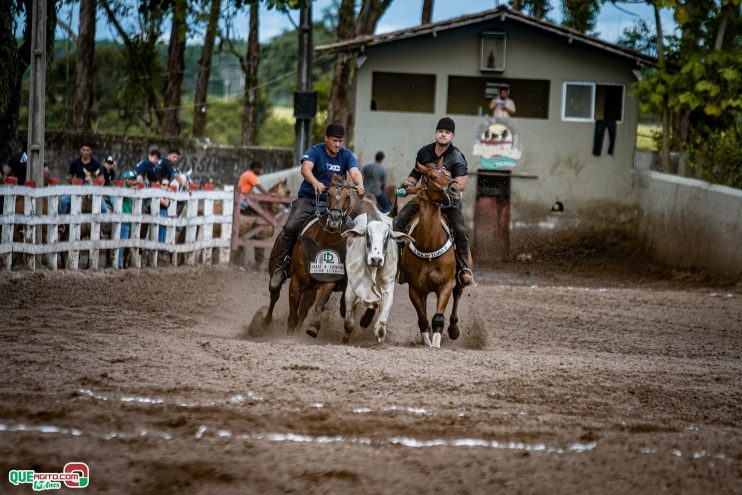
426 339
453 332
380 334
346 338
437 340
313 332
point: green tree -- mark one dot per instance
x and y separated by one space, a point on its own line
701 85
15 57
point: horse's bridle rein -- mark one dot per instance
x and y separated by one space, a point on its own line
343 212
445 190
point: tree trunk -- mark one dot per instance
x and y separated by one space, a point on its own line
169 124
427 16
84 66
141 60
250 111
666 167
204 71
728 10
539 9
344 61
345 75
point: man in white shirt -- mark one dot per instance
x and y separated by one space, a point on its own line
502 106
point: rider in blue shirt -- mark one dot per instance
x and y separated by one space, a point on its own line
318 164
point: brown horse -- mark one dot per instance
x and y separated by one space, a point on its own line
304 289
434 268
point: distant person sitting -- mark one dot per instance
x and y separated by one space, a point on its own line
374 179
502 107
168 167
146 171
249 181
108 171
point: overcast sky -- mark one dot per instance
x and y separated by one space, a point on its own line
406 13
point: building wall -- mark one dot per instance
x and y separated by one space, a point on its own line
593 190
687 223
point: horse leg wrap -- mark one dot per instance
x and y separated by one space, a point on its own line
438 322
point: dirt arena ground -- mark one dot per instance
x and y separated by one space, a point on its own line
594 374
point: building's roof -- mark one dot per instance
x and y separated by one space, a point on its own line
502 13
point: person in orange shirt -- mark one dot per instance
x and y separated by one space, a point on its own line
249 180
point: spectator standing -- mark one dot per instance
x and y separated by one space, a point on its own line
84 167
249 180
502 107
374 179
130 181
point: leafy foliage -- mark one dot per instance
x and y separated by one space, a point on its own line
703 86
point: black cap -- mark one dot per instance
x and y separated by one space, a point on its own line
109 159
335 129
446 123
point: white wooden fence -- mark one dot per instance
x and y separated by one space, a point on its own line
36 234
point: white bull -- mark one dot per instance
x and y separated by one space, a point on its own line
371 266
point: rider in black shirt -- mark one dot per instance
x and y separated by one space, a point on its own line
455 162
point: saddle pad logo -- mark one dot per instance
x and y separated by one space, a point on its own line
327 261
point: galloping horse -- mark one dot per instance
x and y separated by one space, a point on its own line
305 288
429 264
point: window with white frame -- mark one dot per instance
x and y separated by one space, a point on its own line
588 101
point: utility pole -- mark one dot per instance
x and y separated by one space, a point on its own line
36 109
37 92
305 100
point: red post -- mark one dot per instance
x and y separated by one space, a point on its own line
194 187
119 183
53 181
11 181
76 181
155 185
99 181
30 183
209 187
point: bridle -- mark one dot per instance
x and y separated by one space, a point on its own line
445 190
321 212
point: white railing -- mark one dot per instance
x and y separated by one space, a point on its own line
201 213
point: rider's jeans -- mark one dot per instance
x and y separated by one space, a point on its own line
301 210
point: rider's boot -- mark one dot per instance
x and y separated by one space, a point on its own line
280 274
465 275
